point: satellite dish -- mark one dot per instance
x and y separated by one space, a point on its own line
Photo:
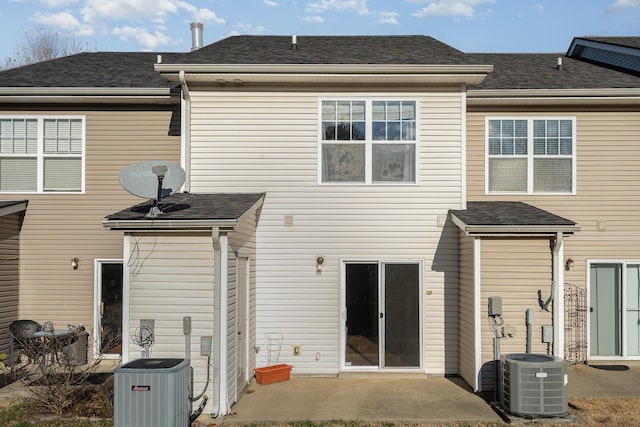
152 179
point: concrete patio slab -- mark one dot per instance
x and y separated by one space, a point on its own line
412 398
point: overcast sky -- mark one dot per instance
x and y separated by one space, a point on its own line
468 25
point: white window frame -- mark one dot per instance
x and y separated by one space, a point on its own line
369 141
530 154
41 155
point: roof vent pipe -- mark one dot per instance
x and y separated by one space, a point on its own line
294 42
196 35
559 66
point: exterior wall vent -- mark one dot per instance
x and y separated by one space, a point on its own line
534 385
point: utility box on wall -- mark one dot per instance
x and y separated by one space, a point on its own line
152 393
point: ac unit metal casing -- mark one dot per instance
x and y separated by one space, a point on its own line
533 385
152 393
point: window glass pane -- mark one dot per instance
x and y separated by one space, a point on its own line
32 136
508 175
552 128
344 110
507 128
62 174
328 131
539 129
393 110
379 131
328 110
520 128
520 146
344 131
76 137
566 128
378 110
566 146
494 146
408 110
358 131
409 131
552 175
552 146
539 146
394 162
357 112
18 174
507 146
494 128
393 131
343 162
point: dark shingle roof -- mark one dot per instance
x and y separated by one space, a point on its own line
508 215
91 69
327 50
632 42
539 71
185 207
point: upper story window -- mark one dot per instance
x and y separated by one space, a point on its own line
368 141
41 154
530 155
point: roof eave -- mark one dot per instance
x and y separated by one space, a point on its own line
603 96
84 95
18 206
170 225
225 74
513 230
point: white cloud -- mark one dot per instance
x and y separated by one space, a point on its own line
137 10
58 3
388 18
539 8
148 40
458 8
270 3
316 19
624 4
358 6
206 15
247 29
63 21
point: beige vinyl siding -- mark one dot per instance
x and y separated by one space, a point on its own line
171 275
9 274
467 285
514 269
268 142
59 227
607 198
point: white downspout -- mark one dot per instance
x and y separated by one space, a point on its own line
220 247
558 295
185 130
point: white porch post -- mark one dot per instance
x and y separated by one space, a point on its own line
558 296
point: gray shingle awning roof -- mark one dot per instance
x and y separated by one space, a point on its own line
91 70
484 218
188 211
540 71
12 206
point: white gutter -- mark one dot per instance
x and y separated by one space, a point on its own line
237 75
168 225
558 295
84 95
515 97
185 134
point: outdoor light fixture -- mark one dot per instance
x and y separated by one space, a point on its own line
75 263
568 264
319 264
